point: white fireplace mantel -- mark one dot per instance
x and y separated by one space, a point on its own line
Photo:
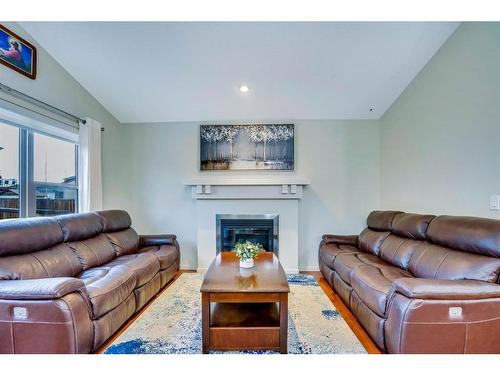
232 187
249 195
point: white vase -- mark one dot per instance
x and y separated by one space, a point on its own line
246 263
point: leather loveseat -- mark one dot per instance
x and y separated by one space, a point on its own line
67 283
420 283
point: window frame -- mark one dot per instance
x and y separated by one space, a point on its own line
27 183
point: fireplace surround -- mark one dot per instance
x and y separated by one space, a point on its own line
247 195
263 229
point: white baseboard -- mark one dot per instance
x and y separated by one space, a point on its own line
309 268
187 267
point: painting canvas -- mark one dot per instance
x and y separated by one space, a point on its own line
232 147
17 53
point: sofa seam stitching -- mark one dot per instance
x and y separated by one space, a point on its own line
12 337
92 251
45 269
399 247
441 263
420 257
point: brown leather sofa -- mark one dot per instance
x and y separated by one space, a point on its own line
68 283
420 283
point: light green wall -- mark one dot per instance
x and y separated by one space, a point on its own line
54 85
440 148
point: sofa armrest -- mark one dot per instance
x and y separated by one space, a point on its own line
157 239
445 289
427 316
39 289
340 240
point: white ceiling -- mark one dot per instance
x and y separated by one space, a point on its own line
165 72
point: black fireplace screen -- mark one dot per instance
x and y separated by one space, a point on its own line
232 229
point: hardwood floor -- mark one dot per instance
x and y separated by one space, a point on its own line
350 319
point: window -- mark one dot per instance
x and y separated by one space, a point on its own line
39 174
54 169
9 172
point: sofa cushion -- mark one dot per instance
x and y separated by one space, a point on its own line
166 254
412 226
93 251
381 220
344 264
471 234
372 284
107 287
431 261
329 252
124 241
28 235
370 241
145 266
114 220
57 261
77 227
398 250
372 323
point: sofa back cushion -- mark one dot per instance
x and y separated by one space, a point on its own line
370 241
93 251
8 275
398 250
124 241
114 220
77 227
379 227
381 220
407 233
23 236
412 226
58 261
470 234
431 261
116 227
459 247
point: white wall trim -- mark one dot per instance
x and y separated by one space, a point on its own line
309 268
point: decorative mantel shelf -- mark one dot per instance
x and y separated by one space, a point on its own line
216 187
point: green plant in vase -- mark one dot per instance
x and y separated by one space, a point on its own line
247 251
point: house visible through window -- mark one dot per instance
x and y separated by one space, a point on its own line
38 174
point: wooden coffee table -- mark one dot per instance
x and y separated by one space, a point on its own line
245 309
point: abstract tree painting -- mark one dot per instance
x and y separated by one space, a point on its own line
227 147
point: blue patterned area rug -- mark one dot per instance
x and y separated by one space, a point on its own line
172 324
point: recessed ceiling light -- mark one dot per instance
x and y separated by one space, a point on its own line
244 88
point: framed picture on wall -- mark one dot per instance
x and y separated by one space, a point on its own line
239 147
17 53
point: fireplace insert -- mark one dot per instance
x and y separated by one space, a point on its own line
262 229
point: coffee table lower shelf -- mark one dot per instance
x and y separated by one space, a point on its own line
244 326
